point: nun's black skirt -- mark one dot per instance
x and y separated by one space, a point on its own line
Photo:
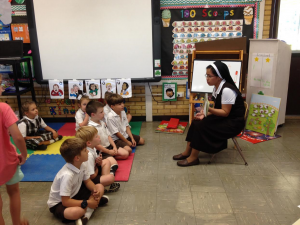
210 134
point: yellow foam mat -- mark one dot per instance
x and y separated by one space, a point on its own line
53 149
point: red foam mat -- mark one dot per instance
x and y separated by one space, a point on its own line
124 169
67 130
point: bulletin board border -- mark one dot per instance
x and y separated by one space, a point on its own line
256 6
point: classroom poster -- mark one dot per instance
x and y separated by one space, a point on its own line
5 32
262 70
75 89
124 87
93 88
20 32
169 92
5 12
263 114
108 86
56 88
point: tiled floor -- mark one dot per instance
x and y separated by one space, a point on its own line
225 192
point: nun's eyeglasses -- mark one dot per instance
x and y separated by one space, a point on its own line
209 76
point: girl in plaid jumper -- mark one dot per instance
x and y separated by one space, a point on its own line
30 126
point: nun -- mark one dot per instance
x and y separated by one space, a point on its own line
209 134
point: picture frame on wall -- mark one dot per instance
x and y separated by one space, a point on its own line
169 91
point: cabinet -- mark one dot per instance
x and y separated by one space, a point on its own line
281 53
29 87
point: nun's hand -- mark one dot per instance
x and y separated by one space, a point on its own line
199 116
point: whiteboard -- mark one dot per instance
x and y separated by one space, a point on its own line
95 39
199 83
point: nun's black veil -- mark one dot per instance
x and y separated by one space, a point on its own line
224 71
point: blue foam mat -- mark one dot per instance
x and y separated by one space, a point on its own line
55 126
42 167
133 150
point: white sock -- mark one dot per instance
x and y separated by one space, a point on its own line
88 212
52 141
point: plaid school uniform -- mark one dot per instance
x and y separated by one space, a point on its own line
34 130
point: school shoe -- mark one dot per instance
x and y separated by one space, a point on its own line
104 200
112 188
41 147
180 157
82 221
113 169
185 163
59 138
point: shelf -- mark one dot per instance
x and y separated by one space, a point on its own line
16 94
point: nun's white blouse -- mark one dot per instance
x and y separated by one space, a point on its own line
228 95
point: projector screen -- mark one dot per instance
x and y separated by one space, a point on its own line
199 83
95 39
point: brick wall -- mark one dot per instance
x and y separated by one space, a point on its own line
160 108
136 105
267 18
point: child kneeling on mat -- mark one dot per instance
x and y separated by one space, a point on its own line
30 126
98 168
73 196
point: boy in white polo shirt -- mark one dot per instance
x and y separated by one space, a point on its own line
107 109
98 169
73 196
118 126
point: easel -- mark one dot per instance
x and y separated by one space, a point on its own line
210 56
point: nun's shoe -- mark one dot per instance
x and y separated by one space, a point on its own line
180 157
185 163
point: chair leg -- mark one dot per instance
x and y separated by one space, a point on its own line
239 149
211 159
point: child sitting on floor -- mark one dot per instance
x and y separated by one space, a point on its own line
107 109
73 196
10 161
82 119
30 126
98 169
118 126
107 147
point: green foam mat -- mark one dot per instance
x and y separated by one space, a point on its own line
136 127
29 151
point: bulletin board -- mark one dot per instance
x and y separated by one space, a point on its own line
191 22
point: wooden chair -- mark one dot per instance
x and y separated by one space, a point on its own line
234 139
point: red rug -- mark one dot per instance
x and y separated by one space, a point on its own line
124 169
162 128
255 137
67 130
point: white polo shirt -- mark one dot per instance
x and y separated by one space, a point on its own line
228 95
106 110
102 131
90 164
67 182
79 117
115 124
22 126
